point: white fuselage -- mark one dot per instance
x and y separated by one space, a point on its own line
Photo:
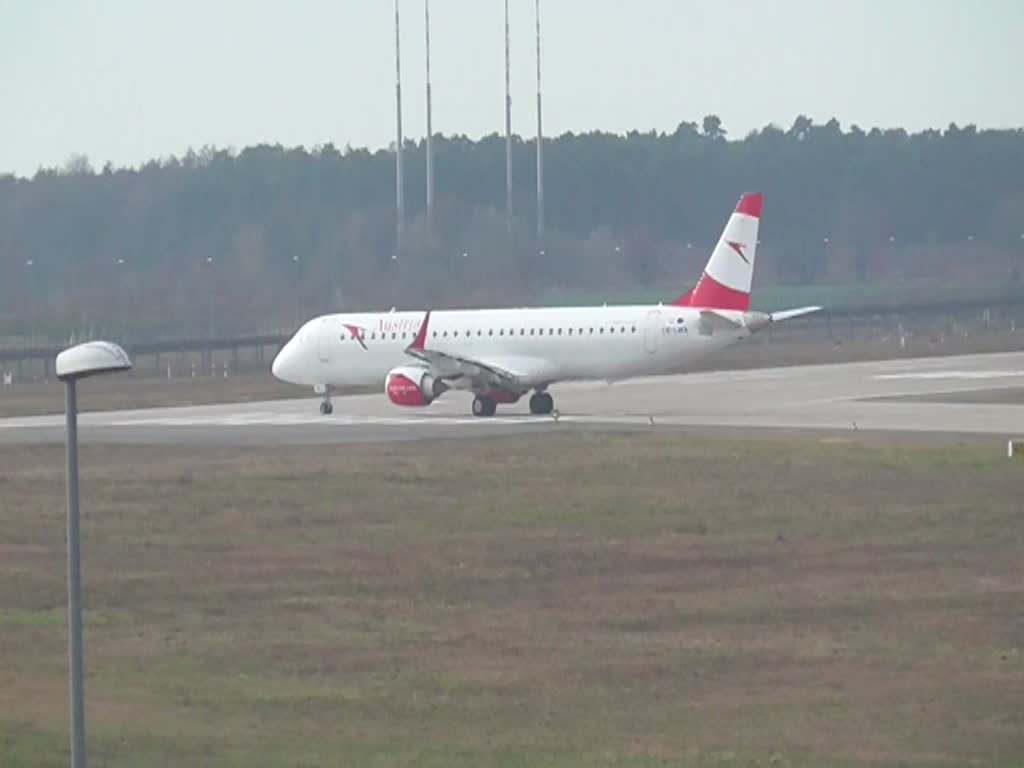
556 344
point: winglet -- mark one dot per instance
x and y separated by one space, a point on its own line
421 336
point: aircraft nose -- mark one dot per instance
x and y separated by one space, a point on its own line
286 364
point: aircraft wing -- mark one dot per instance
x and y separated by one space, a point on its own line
512 373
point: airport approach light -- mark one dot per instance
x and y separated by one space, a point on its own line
93 358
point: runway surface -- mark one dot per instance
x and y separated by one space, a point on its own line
827 397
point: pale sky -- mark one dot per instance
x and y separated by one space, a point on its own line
130 80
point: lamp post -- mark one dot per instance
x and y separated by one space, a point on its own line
89 359
124 293
209 262
295 269
29 264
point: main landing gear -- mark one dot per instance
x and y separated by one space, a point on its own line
541 404
484 405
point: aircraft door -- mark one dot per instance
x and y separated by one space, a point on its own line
652 329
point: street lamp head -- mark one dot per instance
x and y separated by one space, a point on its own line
91 359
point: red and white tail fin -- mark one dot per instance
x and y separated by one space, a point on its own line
726 281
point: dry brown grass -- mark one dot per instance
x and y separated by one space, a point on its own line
572 600
1002 396
125 392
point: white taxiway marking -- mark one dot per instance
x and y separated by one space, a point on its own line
337 420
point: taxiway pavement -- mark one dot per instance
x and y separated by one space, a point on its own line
825 397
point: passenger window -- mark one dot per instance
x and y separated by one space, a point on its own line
373 335
559 331
601 330
490 332
591 330
479 333
531 331
394 335
445 334
570 331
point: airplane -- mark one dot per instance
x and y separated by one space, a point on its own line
501 355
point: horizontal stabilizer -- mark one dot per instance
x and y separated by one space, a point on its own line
711 320
789 314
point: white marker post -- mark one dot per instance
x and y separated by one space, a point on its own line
89 359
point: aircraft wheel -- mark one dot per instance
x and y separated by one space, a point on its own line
326 408
541 404
484 406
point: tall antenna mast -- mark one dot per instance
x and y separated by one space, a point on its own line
540 139
399 180
508 124
430 130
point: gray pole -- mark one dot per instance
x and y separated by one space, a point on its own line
540 140
295 270
74 584
399 180
430 130
213 288
29 266
508 124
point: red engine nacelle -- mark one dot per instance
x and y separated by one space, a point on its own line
412 387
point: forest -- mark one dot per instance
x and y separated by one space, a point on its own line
222 240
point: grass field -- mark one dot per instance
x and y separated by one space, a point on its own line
117 392
1002 396
575 600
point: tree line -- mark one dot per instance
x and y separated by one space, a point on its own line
225 241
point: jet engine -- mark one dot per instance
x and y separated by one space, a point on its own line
411 386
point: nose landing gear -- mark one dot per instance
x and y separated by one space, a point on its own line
326 408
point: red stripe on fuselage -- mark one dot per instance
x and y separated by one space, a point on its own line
711 294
